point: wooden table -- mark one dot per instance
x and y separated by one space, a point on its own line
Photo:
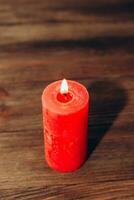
88 41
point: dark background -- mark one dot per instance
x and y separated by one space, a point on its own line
88 41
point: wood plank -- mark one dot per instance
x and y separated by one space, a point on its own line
27 21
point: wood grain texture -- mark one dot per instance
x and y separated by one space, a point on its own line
88 41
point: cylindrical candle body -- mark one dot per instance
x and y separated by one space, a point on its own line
65 126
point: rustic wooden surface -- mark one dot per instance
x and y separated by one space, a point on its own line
88 41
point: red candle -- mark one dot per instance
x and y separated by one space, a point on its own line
65 121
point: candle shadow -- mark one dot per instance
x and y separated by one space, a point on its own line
107 99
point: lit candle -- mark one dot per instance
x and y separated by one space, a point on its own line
65 121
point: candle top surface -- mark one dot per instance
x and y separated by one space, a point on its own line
74 100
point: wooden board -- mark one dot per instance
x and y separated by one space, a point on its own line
88 41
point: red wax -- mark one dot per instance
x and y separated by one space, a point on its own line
65 121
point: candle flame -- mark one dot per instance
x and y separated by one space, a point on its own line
64 87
